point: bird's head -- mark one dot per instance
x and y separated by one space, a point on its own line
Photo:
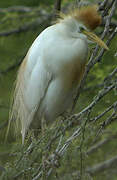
81 22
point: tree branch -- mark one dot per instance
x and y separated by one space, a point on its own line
100 144
57 6
12 67
21 9
28 26
103 166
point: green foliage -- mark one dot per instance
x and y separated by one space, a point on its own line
25 3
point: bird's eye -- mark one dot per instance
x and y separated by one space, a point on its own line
82 29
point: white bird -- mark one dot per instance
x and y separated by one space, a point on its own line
53 67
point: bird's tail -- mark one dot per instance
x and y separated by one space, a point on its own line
19 112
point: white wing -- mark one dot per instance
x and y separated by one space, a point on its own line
31 85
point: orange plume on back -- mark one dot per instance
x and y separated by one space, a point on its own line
88 15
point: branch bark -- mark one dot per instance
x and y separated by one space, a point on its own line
108 164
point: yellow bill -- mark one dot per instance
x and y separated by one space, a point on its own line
96 39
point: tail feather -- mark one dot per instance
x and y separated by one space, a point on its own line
19 111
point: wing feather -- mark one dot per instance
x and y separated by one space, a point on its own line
31 87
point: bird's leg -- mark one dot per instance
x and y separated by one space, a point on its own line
43 130
43 126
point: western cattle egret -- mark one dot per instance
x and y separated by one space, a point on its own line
53 67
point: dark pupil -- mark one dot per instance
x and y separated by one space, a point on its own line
81 28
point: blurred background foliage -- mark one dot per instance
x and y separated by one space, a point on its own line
12 50
31 3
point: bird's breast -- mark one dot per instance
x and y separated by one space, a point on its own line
72 67
67 61
72 74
